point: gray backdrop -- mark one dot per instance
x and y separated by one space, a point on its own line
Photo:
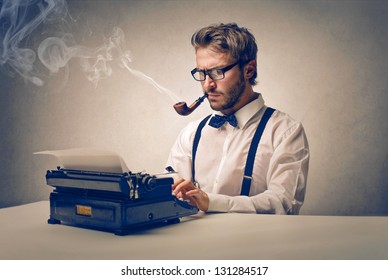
323 62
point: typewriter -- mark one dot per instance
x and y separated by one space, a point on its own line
113 202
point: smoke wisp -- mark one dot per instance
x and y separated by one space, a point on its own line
20 18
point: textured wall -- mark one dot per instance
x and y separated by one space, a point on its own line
323 62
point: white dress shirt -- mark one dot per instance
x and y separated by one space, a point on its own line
280 169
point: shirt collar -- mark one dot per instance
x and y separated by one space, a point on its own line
248 111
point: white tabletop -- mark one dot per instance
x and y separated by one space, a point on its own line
25 234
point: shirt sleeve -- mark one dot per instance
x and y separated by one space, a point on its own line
180 154
286 179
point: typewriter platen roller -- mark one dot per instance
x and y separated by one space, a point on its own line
116 202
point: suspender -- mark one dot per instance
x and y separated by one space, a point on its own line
247 179
246 183
195 145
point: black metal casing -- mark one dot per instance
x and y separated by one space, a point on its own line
115 202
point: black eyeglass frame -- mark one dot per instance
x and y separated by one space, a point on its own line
207 72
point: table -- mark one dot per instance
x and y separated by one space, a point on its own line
25 235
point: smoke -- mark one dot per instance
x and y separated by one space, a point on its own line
140 75
13 16
20 18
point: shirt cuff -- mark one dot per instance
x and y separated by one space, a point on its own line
226 203
216 203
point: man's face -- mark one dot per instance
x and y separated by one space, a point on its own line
223 95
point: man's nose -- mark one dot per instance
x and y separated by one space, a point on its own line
208 83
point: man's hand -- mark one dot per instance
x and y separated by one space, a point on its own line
187 191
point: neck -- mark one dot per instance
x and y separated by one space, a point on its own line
246 97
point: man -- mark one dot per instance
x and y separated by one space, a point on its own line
222 178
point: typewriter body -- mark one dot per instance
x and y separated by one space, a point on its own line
114 202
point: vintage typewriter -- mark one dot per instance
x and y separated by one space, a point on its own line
114 202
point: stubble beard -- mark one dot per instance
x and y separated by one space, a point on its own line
232 97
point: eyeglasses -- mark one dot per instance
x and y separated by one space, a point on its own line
214 74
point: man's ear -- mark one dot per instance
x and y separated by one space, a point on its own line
250 69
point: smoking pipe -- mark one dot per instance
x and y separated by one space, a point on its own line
182 109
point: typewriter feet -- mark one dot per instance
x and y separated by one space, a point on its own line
53 221
174 221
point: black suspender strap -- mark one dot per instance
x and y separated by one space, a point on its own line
247 179
195 145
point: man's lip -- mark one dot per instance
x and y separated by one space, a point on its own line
212 95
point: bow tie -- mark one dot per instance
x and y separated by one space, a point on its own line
217 121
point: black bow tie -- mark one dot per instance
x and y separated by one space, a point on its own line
217 121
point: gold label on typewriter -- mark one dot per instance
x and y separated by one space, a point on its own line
83 210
